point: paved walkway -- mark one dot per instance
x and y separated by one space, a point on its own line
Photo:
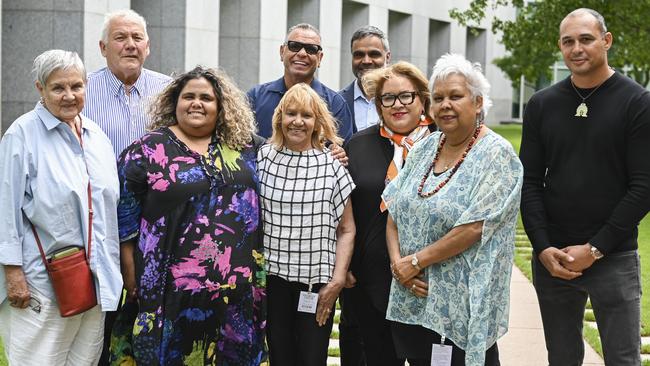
524 342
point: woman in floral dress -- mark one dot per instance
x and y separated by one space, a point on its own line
190 231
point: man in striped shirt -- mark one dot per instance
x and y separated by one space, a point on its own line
118 96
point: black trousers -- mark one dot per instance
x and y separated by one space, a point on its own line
414 343
350 339
375 330
294 338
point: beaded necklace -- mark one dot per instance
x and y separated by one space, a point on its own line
453 170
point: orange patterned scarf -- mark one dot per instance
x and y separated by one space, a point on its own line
402 145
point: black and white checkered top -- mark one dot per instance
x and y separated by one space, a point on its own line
302 196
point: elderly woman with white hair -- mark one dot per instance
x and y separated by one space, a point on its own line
452 217
58 197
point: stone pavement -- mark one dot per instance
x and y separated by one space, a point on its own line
523 345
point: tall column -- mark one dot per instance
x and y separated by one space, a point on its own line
166 28
273 26
240 33
420 42
28 29
330 18
202 43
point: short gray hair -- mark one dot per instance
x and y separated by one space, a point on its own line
303 26
455 64
127 14
49 61
370 31
592 12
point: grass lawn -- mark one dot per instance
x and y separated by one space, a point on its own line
3 360
513 134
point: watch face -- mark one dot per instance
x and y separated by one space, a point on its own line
596 253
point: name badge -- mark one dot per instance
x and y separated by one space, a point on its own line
441 355
307 302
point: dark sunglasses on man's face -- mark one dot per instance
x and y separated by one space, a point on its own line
311 49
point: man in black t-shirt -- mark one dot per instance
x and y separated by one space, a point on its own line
585 149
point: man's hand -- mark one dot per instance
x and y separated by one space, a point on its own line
582 258
350 280
555 260
339 154
17 292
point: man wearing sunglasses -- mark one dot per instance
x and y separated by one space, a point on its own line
301 53
370 50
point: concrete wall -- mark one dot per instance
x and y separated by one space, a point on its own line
241 36
30 27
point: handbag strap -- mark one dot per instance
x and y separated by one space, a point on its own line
90 206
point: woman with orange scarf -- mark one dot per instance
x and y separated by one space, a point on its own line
376 155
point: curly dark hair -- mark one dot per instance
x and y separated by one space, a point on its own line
235 121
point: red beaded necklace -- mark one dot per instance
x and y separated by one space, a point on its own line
453 170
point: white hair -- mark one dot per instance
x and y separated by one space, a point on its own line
127 14
455 64
49 61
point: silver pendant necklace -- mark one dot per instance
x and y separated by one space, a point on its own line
582 109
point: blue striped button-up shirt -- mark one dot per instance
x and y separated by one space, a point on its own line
122 117
43 180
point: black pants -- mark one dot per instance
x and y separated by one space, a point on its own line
350 339
294 337
375 330
414 343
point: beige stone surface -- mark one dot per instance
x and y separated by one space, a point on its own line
524 345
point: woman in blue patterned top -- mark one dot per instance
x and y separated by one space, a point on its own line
450 233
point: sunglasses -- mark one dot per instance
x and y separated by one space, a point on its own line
311 49
388 100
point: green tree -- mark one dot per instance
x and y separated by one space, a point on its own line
531 38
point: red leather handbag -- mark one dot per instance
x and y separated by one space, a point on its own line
70 275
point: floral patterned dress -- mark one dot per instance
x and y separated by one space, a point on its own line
198 258
468 298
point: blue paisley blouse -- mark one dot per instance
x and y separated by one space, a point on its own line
468 300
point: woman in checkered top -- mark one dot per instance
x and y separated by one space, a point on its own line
308 227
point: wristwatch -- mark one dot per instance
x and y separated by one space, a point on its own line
415 262
595 252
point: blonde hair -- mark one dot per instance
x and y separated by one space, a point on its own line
304 98
235 121
373 83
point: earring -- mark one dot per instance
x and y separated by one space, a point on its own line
479 119
423 117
